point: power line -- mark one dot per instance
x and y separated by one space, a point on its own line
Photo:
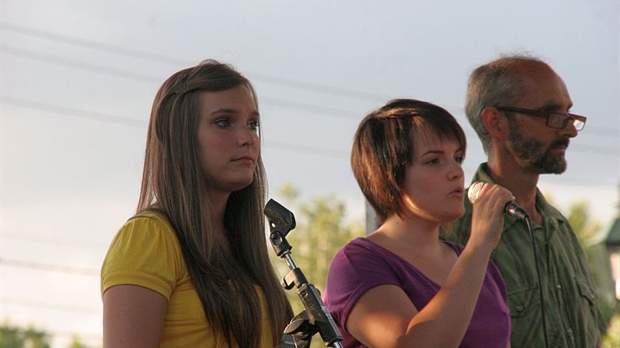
322 88
307 107
140 124
308 150
161 58
81 113
57 243
301 106
173 60
316 87
51 306
77 65
100 46
604 131
108 118
49 267
317 109
598 150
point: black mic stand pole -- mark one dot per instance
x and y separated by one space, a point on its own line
316 317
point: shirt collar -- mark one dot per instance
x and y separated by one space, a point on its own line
547 210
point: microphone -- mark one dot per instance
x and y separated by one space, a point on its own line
511 208
279 216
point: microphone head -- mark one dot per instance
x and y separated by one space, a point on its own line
474 191
279 215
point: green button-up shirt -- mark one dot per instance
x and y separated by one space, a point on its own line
573 319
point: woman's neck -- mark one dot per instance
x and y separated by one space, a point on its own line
409 233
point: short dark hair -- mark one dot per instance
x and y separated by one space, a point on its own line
383 148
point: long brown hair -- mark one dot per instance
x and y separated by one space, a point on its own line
173 182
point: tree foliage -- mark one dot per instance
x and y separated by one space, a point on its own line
584 226
588 231
322 229
76 343
13 336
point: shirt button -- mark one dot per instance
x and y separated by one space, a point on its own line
519 308
569 331
558 286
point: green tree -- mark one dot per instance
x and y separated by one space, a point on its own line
320 232
322 229
612 339
589 232
584 226
76 343
12 336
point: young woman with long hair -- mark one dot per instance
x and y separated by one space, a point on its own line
191 267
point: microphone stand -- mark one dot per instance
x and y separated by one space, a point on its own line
316 317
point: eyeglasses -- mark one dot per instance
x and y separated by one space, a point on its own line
554 119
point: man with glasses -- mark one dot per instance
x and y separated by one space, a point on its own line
520 109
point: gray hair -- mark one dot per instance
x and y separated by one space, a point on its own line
497 83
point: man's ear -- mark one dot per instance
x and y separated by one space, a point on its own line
495 122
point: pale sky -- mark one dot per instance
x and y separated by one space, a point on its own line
78 79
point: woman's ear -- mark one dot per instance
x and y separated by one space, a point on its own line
495 122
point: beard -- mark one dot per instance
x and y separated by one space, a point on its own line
538 158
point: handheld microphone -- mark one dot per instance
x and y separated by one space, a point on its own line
511 208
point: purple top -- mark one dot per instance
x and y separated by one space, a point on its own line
361 265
